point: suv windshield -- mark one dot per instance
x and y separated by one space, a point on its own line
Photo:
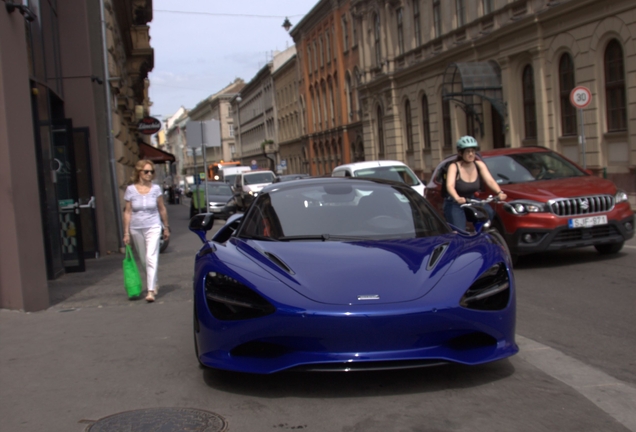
257 178
396 173
525 167
346 210
219 189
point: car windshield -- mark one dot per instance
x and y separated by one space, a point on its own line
396 173
526 167
346 210
229 178
221 189
257 178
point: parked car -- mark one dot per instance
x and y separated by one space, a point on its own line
248 184
289 177
381 169
220 200
552 202
348 274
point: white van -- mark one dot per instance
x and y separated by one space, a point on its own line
382 169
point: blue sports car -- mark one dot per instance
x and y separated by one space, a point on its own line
348 274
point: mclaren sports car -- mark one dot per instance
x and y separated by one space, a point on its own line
345 274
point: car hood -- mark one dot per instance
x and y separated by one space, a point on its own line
219 198
347 272
545 190
256 186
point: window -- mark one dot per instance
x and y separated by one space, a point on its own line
349 96
400 30
309 59
437 18
345 34
322 52
446 118
566 84
461 12
426 123
409 127
354 33
416 22
231 128
615 87
529 103
378 50
328 47
331 105
488 6
315 57
380 134
324 105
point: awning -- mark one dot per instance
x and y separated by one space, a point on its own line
470 83
146 151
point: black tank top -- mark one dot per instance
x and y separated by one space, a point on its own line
467 189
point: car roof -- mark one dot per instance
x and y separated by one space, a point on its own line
325 180
370 164
256 172
514 150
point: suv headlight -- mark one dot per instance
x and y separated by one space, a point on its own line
620 196
522 207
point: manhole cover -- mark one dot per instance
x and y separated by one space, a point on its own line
161 420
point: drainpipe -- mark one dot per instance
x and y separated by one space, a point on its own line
111 144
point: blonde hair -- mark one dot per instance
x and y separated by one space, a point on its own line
139 167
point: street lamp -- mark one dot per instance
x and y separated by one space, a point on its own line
287 24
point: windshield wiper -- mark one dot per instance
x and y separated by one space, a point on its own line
257 237
322 237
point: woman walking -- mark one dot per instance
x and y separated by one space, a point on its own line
465 177
144 213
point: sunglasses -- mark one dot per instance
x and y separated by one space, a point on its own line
148 171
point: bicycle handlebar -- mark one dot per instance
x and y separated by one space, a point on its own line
471 201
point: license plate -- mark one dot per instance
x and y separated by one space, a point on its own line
587 222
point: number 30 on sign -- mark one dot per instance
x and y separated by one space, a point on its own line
580 97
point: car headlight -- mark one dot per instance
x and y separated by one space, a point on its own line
491 291
621 196
229 300
522 207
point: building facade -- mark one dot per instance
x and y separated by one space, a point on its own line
328 57
293 150
73 84
502 71
217 107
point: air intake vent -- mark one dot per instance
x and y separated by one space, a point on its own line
437 254
278 262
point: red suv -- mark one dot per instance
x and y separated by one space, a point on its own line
552 202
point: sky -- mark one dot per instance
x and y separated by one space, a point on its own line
201 46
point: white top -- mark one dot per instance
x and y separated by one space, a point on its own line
145 213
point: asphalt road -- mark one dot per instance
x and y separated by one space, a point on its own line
95 354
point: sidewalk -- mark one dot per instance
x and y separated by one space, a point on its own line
102 282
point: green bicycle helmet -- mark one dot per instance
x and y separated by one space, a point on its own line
466 142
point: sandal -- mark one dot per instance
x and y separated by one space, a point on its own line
150 297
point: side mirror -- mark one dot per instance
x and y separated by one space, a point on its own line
478 216
200 224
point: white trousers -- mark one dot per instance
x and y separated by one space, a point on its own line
146 241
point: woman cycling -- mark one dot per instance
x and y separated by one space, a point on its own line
466 176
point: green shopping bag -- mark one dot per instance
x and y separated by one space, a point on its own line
132 279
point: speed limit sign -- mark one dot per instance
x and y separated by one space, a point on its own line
580 97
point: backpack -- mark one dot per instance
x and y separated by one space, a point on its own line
443 173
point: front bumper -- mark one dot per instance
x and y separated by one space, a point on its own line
532 240
345 338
